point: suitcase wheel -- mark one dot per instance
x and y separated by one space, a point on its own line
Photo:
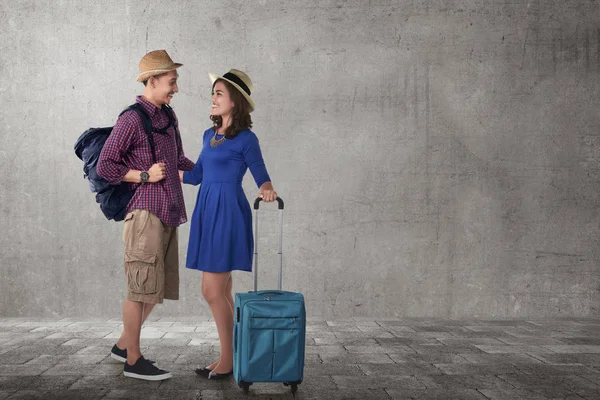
294 386
245 386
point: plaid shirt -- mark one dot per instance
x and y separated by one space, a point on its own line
128 148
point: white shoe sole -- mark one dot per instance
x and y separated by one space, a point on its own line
162 377
118 358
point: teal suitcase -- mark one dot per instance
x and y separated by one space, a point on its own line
269 329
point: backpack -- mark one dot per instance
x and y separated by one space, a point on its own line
113 199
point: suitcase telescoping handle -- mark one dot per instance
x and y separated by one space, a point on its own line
279 252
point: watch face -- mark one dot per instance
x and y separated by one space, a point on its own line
144 176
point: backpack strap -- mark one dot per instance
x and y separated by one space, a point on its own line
148 128
170 113
173 121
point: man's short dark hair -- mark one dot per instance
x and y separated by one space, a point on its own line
158 76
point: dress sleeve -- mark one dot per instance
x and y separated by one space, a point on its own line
254 161
110 164
194 176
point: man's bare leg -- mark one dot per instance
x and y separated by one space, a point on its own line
132 326
122 342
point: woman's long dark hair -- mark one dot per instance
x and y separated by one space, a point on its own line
240 115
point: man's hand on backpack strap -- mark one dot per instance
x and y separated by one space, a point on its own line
157 173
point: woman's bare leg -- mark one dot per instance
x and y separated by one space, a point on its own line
214 290
229 295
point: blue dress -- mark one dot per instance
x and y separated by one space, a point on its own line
221 227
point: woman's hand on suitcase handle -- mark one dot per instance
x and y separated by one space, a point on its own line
267 193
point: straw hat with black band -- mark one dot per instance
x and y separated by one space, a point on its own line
155 63
240 81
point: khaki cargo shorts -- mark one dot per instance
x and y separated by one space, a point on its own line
151 258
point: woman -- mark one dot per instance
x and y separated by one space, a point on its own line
221 226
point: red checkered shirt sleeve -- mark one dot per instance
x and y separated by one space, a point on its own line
183 163
110 163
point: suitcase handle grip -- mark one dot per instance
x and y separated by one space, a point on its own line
258 200
263 292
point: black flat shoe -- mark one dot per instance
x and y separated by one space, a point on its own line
215 377
203 371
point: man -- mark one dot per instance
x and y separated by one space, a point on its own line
156 209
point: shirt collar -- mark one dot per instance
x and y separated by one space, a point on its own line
150 108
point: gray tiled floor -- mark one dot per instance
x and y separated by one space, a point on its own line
351 359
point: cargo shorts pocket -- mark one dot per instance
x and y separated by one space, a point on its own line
127 225
141 273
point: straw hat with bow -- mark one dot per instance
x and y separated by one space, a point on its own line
240 81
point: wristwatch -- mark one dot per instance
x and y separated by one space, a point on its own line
144 176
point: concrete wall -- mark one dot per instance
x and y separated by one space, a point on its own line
437 158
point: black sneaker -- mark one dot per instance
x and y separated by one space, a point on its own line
118 354
143 369
121 355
